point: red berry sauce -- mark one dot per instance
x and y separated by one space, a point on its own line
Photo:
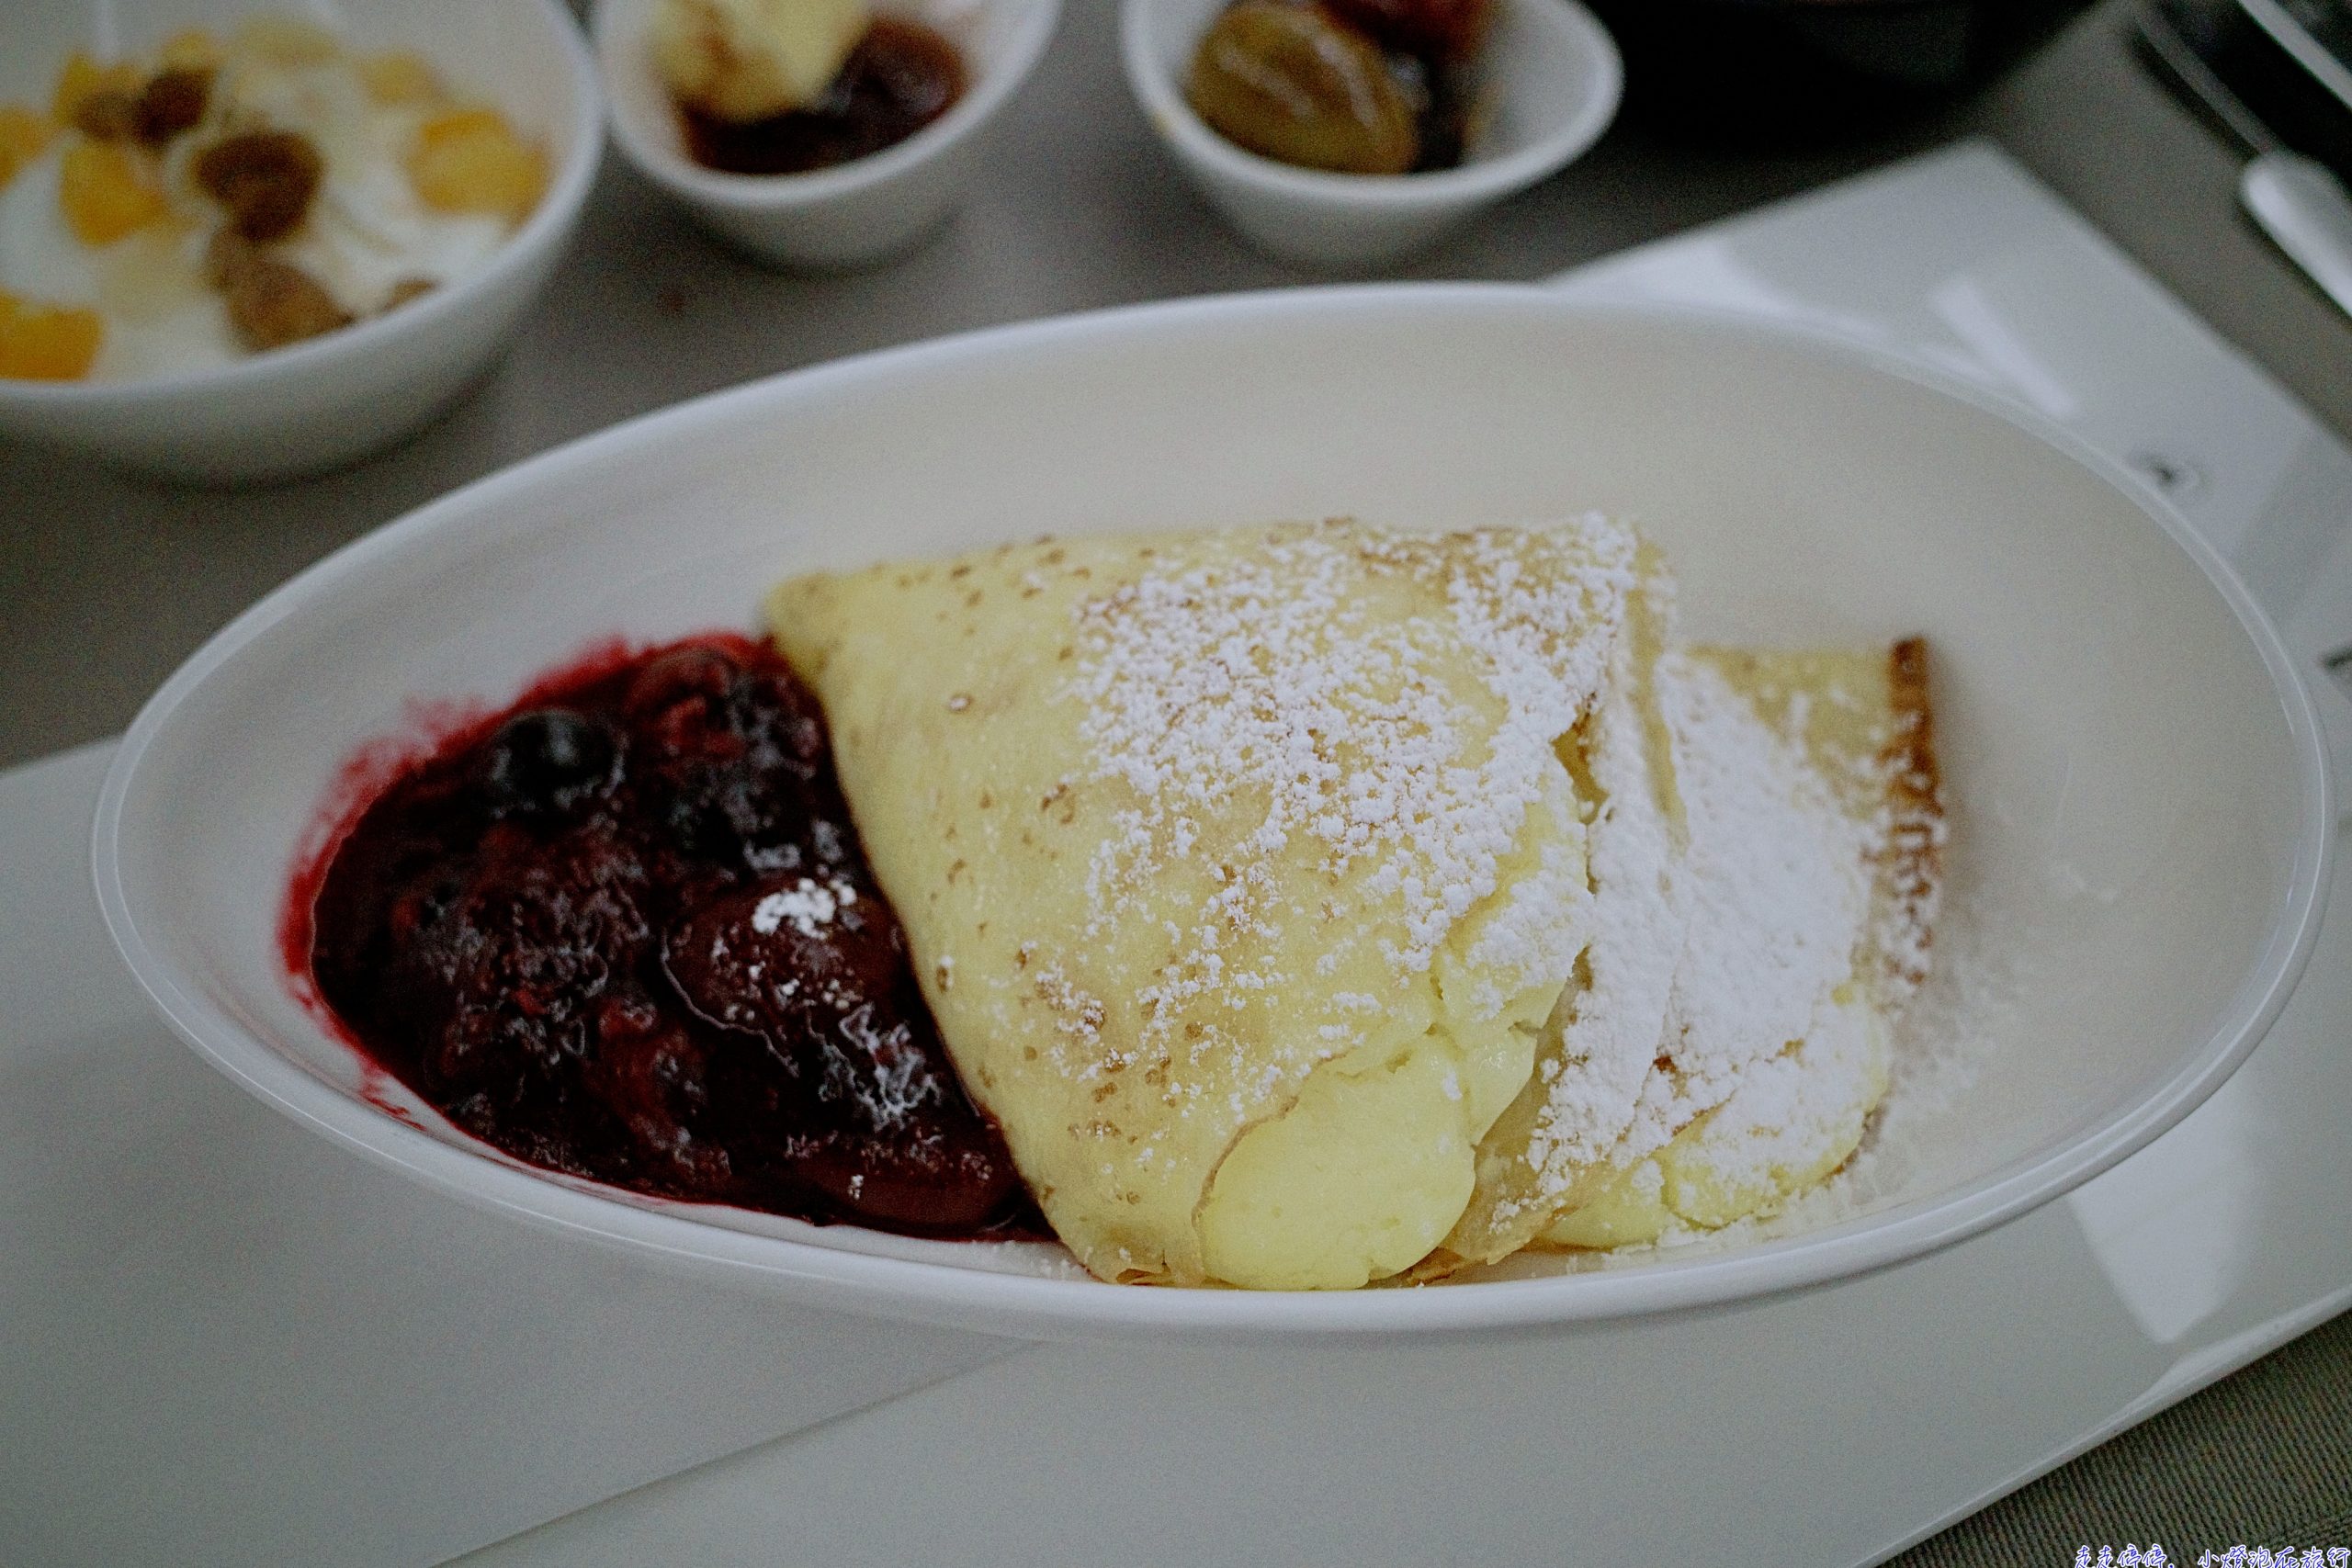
900 77
625 930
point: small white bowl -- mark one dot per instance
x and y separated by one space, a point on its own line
1556 77
859 212
322 403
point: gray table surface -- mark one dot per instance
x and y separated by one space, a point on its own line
107 583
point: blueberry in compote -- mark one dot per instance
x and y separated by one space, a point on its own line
547 759
736 766
626 931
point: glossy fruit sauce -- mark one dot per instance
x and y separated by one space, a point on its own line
625 930
900 77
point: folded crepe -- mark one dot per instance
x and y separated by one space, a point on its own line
1315 903
1761 1095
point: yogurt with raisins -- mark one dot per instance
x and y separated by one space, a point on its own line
222 198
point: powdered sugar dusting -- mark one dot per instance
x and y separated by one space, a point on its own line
1788 1108
807 906
1937 1051
1777 879
1267 675
1610 1034
1544 920
1910 832
1713 954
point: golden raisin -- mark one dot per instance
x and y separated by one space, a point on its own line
24 134
108 113
47 342
105 193
399 78
266 179
271 302
471 161
226 254
173 102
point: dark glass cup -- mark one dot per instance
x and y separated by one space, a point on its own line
1778 71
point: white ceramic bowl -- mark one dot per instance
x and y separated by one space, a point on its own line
863 211
1556 79
2140 824
335 398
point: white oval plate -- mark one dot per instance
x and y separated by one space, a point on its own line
2140 813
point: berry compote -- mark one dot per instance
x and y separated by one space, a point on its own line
626 931
902 75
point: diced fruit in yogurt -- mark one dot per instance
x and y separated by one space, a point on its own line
105 193
82 77
471 161
46 343
24 133
120 182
